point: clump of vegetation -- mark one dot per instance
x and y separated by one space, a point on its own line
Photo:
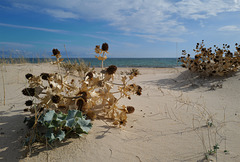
212 62
81 67
52 126
133 72
209 133
61 104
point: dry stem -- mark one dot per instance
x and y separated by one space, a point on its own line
4 90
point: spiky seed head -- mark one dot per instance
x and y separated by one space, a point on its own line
130 109
45 76
29 103
55 52
56 99
105 47
111 69
28 76
28 91
90 75
139 90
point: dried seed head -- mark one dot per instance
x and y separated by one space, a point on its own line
130 109
90 75
55 52
56 99
80 103
29 103
28 76
45 76
139 90
28 91
97 49
105 47
111 69
26 110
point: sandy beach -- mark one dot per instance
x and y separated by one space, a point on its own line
170 122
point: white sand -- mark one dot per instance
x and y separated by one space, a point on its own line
160 129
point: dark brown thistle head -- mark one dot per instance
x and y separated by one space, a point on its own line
28 91
130 109
90 75
105 47
29 103
28 76
45 76
55 52
139 90
56 99
111 69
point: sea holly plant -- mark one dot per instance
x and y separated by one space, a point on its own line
212 62
62 103
53 126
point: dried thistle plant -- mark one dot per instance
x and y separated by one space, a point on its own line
208 62
56 94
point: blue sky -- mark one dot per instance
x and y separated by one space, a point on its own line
132 28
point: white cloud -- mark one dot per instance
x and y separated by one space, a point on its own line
161 17
33 28
24 6
61 14
202 9
229 28
153 38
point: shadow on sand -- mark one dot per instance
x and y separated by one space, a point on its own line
188 81
12 137
12 131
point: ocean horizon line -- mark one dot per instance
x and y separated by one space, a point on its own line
119 62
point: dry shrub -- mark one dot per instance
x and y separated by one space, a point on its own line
81 67
92 94
63 103
212 62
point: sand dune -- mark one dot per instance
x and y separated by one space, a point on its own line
169 122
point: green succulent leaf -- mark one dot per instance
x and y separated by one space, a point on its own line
78 114
71 114
60 135
70 123
53 124
50 135
216 147
84 124
49 116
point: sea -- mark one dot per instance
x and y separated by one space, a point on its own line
119 62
